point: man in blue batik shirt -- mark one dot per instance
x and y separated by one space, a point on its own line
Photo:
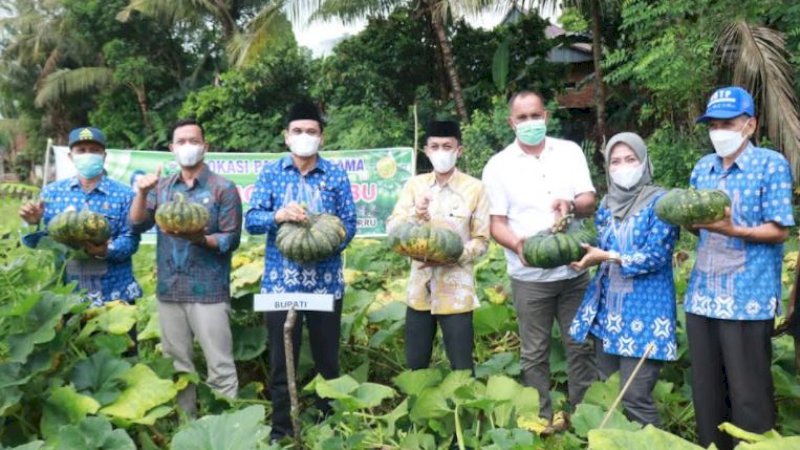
735 286
281 187
107 273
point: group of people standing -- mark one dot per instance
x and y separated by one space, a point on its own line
625 312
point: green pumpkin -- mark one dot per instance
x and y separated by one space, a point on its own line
316 239
684 207
181 217
549 249
73 228
426 243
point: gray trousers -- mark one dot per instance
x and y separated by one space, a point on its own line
638 399
181 323
538 304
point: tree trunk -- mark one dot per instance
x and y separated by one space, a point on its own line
447 58
600 86
144 109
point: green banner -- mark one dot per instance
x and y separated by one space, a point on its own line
376 175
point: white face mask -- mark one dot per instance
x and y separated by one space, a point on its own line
188 155
727 142
627 176
304 145
443 161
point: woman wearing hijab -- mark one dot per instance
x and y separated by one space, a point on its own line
629 307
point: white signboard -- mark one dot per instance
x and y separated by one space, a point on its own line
299 301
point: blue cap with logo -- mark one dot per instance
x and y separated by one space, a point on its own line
86 134
727 103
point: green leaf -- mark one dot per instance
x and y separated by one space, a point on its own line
143 391
603 393
10 378
412 382
500 62
93 433
101 375
509 439
248 342
391 312
35 445
589 417
787 443
490 318
505 363
64 406
747 436
38 325
113 318
350 393
430 403
649 438
240 430
513 399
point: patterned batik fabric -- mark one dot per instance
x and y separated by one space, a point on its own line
190 272
280 183
631 305
460 205
109 278
733 278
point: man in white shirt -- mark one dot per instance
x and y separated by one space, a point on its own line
531 183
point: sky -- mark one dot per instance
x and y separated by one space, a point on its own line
321 37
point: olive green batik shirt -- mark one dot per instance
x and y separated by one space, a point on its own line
461 205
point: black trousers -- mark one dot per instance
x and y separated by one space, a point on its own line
731 377
323 333
458 338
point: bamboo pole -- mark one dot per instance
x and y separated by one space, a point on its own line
628 383
288 327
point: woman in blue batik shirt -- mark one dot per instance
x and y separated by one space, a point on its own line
629 307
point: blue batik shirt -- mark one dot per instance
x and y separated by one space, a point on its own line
109 278
631 305
331 187
733 278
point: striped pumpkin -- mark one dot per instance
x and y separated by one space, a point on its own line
73 228
181 217
316 239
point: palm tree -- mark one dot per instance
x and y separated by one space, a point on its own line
758 59
437 12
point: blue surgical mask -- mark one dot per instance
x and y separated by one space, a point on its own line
88 165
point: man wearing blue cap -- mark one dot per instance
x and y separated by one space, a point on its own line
107 273
735 286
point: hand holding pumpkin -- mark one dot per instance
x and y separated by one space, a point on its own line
32 212
291 213
723 226
561 207
421 208
519 250
146 183
593 257
98 250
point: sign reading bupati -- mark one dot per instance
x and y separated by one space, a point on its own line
376 176
299 301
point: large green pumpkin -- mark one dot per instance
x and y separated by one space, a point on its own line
549 249
316 239
73 228
684 207
181 217
426 243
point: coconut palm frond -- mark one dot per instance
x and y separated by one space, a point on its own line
759 60
265 29
348 11
69 81
166 11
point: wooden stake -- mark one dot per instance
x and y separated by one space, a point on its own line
288 348
628 383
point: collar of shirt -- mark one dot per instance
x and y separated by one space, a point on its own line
516 150
322 164
200 180
453 182
104 185
742 161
